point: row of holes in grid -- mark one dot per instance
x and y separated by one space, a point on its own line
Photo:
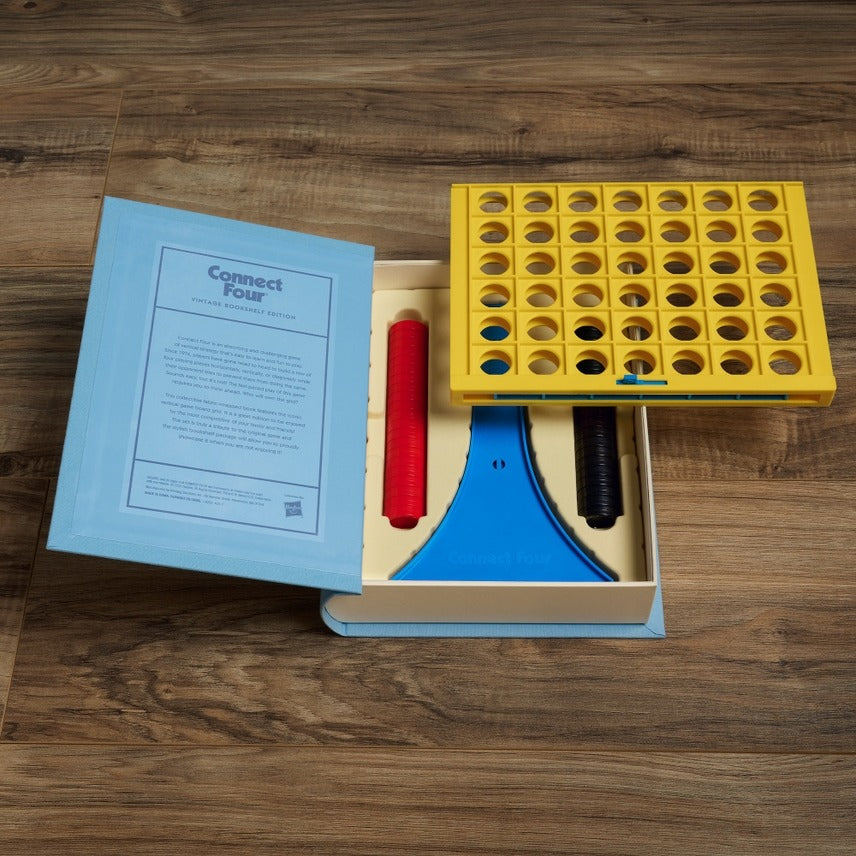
632 231
590 262
624 200
641 362
543 295
639 328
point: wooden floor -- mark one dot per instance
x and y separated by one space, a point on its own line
154 711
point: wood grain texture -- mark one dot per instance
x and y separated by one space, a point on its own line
483 43
21 506
754 653
795 532
297 801
374 165
53 155
41 319
157 711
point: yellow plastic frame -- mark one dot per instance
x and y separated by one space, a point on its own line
656 293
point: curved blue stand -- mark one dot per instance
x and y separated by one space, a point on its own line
500 526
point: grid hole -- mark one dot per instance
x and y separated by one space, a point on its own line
493 233
495 363
687 363
630 232
637 329
767 231
494 295
684 329
582 200
675 231
681 295
672 200
584 233
771 263
724 264
493 202
542 329
785 363
717 200
732 329
591 363
494 264
626 200
780 329
736 363
543 362
632 263
678 263
763 200
585 263
540 264
728 295
538 233
640 363
721 231
538 201
587 295
495 329
775 295
589 329
634 295
541 295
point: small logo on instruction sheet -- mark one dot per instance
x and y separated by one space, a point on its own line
293 508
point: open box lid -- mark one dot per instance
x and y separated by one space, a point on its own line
636 293
221 386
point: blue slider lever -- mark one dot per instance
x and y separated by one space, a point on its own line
500 526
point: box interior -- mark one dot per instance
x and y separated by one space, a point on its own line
419 290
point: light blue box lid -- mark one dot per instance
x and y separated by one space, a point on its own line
220 389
